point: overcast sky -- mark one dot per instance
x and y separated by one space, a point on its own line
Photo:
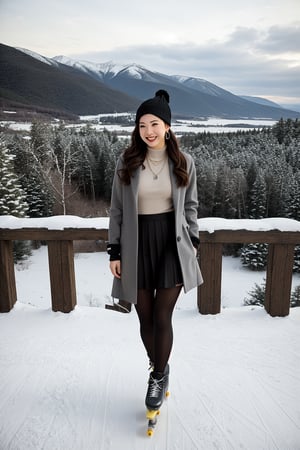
249 47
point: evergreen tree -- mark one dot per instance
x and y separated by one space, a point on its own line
85 171
12 197
239 192
279 130
206 183
250 178
37 194
41 134
296 266
295 297
38 197
257 208
56 164
111 158
255 255
256 295
224 193
292 197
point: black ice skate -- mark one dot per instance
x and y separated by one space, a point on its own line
157 390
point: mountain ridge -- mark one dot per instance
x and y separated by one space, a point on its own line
83 87
26 80
110 72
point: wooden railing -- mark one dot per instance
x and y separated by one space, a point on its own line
62 275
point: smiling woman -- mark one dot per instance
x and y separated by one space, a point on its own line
153 233
153 131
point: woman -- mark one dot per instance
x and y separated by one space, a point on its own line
153 233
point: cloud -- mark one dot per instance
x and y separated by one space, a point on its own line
246 47
250 61
281 39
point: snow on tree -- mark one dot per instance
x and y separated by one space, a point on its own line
38 197
206 184
110 164
296 266
225 193
255 255
292 197
56 161
256 295
12 196
295 297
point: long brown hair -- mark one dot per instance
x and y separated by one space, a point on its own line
135 154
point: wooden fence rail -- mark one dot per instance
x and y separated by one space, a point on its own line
62 275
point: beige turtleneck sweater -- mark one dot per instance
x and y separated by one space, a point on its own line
155 195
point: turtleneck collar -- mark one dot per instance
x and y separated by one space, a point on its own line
157 154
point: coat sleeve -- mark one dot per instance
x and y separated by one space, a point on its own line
116 209
191 202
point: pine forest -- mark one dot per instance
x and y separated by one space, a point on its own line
67 170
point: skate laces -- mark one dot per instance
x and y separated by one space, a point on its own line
151 366
155 387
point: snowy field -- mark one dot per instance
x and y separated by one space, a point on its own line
212 125
77 381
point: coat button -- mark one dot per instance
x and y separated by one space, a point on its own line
178 238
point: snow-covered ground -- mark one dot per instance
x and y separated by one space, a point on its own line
212 125
77 381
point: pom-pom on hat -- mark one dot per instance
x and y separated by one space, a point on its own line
158 106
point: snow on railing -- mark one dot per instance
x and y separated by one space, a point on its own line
209 224
281 234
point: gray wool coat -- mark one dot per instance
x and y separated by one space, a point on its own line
123 230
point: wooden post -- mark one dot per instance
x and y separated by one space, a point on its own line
279 279
8 293
62 275
209 293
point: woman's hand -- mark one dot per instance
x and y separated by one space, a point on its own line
115 267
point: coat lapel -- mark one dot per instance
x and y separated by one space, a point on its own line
134 184
175 195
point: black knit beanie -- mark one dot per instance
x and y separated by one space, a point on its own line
158 106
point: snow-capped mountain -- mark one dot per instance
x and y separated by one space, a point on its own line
83 87
34 83
99 70
138 81
201 85
43 59
108 70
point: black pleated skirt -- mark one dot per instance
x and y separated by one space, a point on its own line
158 262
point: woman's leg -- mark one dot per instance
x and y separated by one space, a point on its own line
145 312
155 315
164 304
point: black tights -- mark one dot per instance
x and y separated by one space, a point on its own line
155 311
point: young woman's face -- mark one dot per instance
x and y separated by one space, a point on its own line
152 131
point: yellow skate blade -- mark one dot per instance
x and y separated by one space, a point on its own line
168 394
151 414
